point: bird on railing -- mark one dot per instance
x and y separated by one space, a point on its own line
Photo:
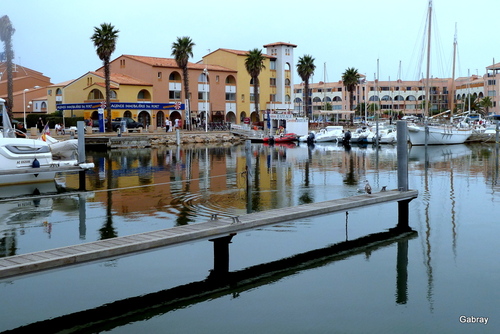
368 188
384 188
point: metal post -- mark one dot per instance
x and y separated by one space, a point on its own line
80 126
402 149
178 136
221 255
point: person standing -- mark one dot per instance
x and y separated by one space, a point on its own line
39 125
167 125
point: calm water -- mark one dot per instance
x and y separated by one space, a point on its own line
422 284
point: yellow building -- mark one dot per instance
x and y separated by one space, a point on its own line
275 80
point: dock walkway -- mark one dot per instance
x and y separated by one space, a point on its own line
98 250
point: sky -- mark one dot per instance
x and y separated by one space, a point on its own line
383 38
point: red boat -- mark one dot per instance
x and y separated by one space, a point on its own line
282 138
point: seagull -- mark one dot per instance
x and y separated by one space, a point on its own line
368 188
384 188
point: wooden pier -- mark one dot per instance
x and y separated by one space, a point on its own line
215 228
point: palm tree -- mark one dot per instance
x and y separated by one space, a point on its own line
350 78
485 105
254 64
6 32
104 39
305 69
182 49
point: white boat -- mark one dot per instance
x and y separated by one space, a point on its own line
62 149
329 134
27 154
362 135
438 135
387 135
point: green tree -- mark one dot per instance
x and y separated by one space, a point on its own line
350 79
6 32
182 49
485 104
305 69
104 39
254 64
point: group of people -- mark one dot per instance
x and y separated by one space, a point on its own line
21 131
169 126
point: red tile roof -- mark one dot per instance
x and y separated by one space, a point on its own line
171 63
123 79
280 43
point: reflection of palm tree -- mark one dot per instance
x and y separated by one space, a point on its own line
185 214
350 178
256 194
108 231
306 196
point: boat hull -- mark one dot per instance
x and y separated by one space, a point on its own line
438 135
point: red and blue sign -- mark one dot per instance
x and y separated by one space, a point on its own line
118 105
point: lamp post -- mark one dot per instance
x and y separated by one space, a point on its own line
205 71
24 105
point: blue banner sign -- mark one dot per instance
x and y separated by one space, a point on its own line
118 105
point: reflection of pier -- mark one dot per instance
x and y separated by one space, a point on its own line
122 312
33 262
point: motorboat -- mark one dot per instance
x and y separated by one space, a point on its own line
25 154
362 135
329 134
281 138
387 135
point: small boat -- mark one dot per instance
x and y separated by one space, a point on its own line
362 135
329 134
284 137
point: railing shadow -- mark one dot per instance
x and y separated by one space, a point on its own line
122 312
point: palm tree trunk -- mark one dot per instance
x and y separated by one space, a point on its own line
108 94
306 100
186 96
256 95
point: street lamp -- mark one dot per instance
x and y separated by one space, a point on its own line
205 71
24 106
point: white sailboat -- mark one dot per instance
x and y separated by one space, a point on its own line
436 134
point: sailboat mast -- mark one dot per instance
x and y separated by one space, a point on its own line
452 104
427 86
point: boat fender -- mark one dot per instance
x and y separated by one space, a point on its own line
36 163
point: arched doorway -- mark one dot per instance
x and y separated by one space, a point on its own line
160 119
128 114
231 117
144 118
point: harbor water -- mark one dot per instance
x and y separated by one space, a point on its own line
441 279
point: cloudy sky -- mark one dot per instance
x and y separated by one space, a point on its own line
374 36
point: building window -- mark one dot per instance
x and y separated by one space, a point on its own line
287 98
273 65
159 75
272 98
174 95
272 81
492 82
230 96
204 96
242 97
216 78
252 97
95 94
